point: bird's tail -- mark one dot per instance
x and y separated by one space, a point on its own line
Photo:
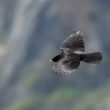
91 57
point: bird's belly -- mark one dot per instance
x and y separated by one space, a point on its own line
67 70
61 69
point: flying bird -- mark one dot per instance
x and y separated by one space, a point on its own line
72 53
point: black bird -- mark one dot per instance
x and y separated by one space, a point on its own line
72 52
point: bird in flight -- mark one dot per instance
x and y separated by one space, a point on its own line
72 53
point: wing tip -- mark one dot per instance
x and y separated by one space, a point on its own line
77 32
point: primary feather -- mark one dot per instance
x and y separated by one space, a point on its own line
74 42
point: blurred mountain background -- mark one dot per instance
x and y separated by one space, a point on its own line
31 32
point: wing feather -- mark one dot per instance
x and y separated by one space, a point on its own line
74 42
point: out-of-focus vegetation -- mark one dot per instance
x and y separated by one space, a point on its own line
31 32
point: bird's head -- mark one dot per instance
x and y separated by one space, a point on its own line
56 58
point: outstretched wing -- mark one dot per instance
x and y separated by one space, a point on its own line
67 65
74 42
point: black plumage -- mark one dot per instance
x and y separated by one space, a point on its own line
72 52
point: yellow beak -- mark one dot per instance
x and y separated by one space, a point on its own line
50 61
